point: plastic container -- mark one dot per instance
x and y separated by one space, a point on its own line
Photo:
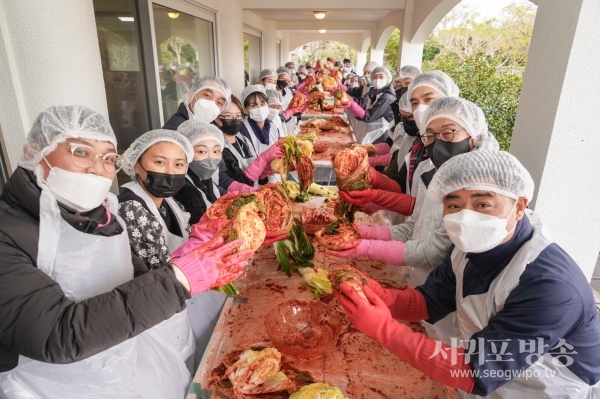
304 329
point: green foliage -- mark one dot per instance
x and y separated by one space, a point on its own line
390 53
430 49
481 81
321 50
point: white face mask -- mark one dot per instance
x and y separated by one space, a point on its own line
206 110
354 85
418 113
270 86
273 114
80 191
476 232
302 76
259 114
379 83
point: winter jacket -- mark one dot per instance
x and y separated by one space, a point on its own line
37 320
178 118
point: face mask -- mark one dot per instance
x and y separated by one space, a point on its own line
418 114
231 126
270 86
273 114
163 185
476 232
354 85
259 114
410 127
368 79
379 83
163 87
400 92
80 191
302 76
440 151
173 67
205 168
282 84
206 110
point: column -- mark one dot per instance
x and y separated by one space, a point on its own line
269 46
377 56
361 60
555 132
230 33
409 53
49 55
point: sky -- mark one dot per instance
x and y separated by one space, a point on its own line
491 8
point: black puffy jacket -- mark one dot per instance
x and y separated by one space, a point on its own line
37 320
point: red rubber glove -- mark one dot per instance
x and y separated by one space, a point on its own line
375 320
391 252
380 181
212 265
380 160
375 232
395 202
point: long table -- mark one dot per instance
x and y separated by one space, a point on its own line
359 366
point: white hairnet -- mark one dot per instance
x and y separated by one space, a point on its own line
384 70
349 65
284 70
208 82
485 170
274 98
404 103
147 140
408 71
466 114
196 132
302 70
370 65
290 64
438 81
266 73
252 89
61 122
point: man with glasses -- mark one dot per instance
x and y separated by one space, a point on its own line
80 314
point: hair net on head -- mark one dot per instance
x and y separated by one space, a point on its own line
196 132
466 114
370 65
349 66
290 65
61 122
302 70
284 70
485 170
438 81
208 82
266 73
274 98
408 71
147 140
384 70
404 104
252 89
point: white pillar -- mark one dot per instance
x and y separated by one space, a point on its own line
231 50
49 55
361 60
555 131
285 49
269 45
377 56
409 53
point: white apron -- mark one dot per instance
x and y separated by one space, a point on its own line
201 308
475 311
402 143
207 203
242 162
259 147
151 365
367 133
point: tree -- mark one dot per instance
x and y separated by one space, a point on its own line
321 50
390 53
175 45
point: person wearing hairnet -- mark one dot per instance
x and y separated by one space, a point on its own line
364 86
81 314
528 326
283 87
373 115
268 78
302 74
275 101
454 126
257 127
241 168
207 97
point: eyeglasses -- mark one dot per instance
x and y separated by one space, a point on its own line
229 117
84 156
446 135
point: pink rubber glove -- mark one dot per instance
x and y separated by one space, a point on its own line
380 160
356 110
395 202
382 148
382 182
288 113
212 265
254 170
237 187
338 87
391 252
375 232
375 320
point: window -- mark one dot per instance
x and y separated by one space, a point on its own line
252 54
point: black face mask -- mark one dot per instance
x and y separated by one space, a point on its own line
440 151
163 185
401 91
410 127
282 84
231 126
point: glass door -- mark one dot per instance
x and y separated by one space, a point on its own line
252 54
184 44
